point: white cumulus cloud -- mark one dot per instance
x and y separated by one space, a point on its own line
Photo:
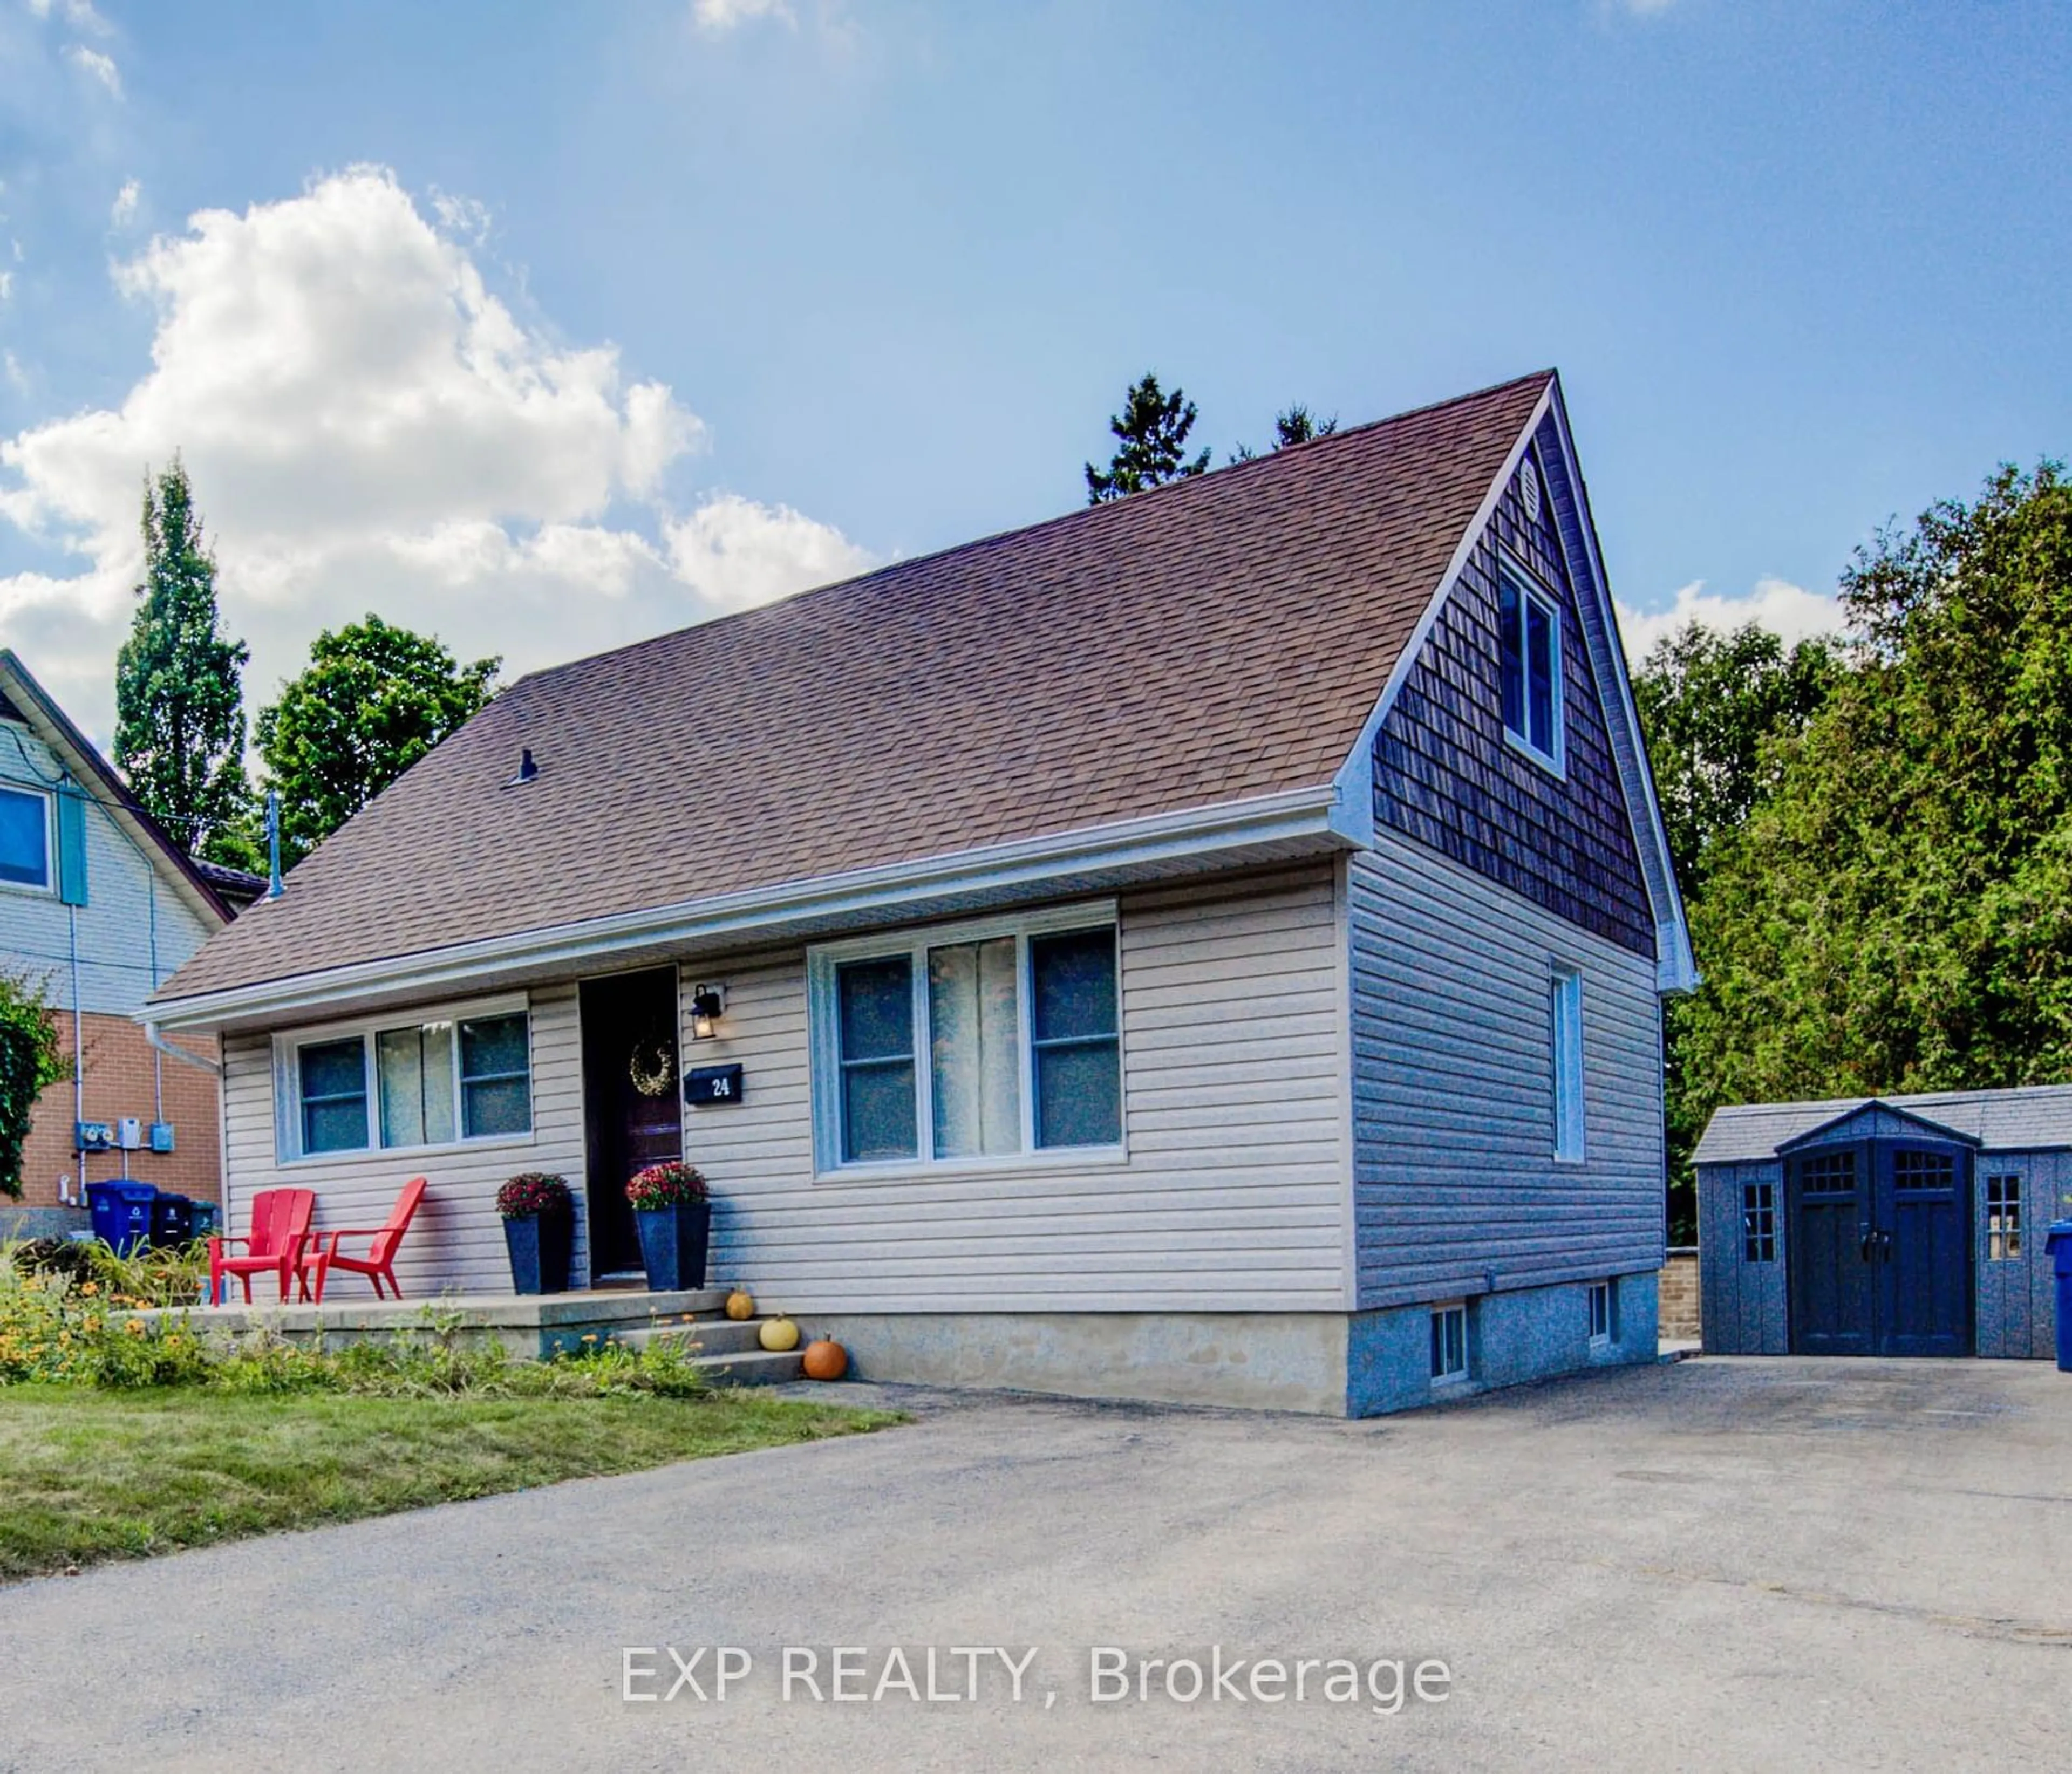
1787 611
368 427
123 211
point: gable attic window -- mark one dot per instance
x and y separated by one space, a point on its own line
25 838
977 1042
407 1085
1529 647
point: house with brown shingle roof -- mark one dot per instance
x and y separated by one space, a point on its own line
1208 945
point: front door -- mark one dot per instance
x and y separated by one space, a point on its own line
632 1116
1880 1255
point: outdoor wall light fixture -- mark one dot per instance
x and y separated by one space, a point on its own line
707 1003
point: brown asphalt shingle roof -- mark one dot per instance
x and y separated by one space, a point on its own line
1220 639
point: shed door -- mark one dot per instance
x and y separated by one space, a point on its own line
1881 1253
1834 1304
1924 1271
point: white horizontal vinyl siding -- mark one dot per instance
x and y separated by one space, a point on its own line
456 1242
1456 1187
1232 1195
133 930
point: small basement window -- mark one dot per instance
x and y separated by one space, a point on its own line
1603 1315
1450 1341
1529 646
25 837
2003 1219
1758 1222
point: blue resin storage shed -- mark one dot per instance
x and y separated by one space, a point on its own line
1893 1225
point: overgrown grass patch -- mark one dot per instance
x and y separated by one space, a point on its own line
89 1475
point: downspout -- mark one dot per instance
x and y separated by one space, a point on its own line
78 1047
158 1041
158 1061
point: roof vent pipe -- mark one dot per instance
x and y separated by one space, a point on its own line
527 768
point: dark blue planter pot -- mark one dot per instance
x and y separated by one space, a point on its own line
539 1247
672 1245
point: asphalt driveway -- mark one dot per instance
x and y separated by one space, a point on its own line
1723 1564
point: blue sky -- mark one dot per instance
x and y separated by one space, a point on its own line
633 313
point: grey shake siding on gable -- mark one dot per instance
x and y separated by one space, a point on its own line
1444 776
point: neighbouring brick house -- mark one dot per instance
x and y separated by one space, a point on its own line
99 907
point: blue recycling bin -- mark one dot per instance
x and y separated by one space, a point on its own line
121 1213
2057 1241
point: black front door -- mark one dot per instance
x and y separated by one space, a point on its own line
632 1116
1881 1253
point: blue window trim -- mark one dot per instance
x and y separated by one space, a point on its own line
822 962
1514 576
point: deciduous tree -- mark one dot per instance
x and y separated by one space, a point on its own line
374 699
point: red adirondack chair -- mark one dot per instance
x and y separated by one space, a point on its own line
378 1264
279 1227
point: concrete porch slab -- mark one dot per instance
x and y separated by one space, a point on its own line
526 1325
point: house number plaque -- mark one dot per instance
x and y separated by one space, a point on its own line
707 1085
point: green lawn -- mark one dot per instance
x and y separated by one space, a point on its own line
87 1475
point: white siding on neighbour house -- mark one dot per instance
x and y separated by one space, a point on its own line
1457 1190
134 929
1232 1195
456 1241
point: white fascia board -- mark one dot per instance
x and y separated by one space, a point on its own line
1355 781
1196 833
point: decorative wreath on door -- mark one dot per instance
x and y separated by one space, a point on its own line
652 1065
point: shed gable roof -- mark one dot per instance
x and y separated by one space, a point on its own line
2031 1118
1221 640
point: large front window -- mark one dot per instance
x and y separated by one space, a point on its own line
984 1041
399 1085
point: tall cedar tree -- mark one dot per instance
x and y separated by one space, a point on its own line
1713 706
1896 912
374 699
179 716
1151 443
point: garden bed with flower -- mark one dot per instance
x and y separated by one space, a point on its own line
130 1426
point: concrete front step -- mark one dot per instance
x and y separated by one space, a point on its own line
712 1336
756 1367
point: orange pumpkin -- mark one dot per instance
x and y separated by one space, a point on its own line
826 1360
779 1335
740 1304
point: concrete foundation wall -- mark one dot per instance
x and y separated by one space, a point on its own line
1327 1364
1533 1333
1253 1360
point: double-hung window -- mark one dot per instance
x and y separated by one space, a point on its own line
25 837
1565 1010
394 1085
978 1041
1529 646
